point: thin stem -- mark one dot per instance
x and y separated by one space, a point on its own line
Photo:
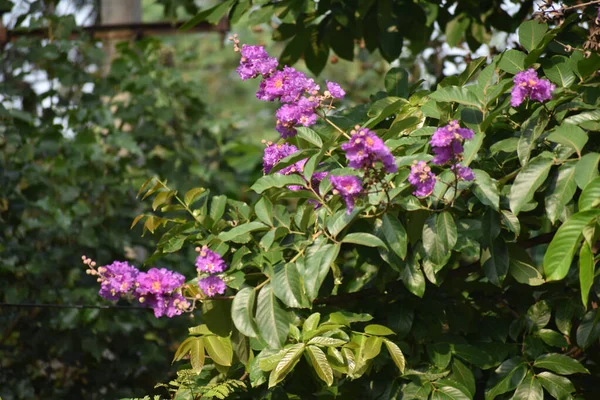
589 3
185 206
262 283
340 130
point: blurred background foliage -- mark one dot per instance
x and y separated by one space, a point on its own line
76 143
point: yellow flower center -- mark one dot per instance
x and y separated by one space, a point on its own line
156 285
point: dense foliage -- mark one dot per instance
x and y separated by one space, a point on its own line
430 244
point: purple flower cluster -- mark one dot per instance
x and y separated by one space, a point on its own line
447 142
212 263
421 178
528 85
298 94
254 62
276 152
158 289
447 145
117 279
209 261
365 149
348 187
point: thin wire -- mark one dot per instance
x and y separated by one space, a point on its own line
72 306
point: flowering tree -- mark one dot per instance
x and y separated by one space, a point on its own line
431 244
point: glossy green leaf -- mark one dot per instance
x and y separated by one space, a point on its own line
590 197
286 364
506 377
378 330
529 389
272 320
242 312
559 255
560 363
552 338
396 354
569 135
495 261
395 235
531 34
320 364
288 287
586 169
512 61
559 71
242 230
560 192
264 210
412 277
311 323
276 181
310 136
464 375
523 269
529 179
326 341
439 237
559 387
588 331
455 94
486 190
586 271
396 82
364 239
197 354
219 349
319 258
448 393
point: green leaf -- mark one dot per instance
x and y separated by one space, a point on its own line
552 338
396 354
439 237
264 210
219 349
216 314
588 330
559 387
569 135
531 130
529 389
531 177
539 314
242 312
559 71
486 190
340 220
273 322
559 255
471 69
522 268
412 277
378 330
495 261
586 169
506 377
512 61
456 28
326 341
311 323
364 239
217 207
212 15
586 271
560 364
197 354
310 136
396 82
590 196
464 375
319 362
417 391
276 181
193 195
242 230
448 393
395 235
316 51
286 364
531 34
288 286
560 192
318 261
456 94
